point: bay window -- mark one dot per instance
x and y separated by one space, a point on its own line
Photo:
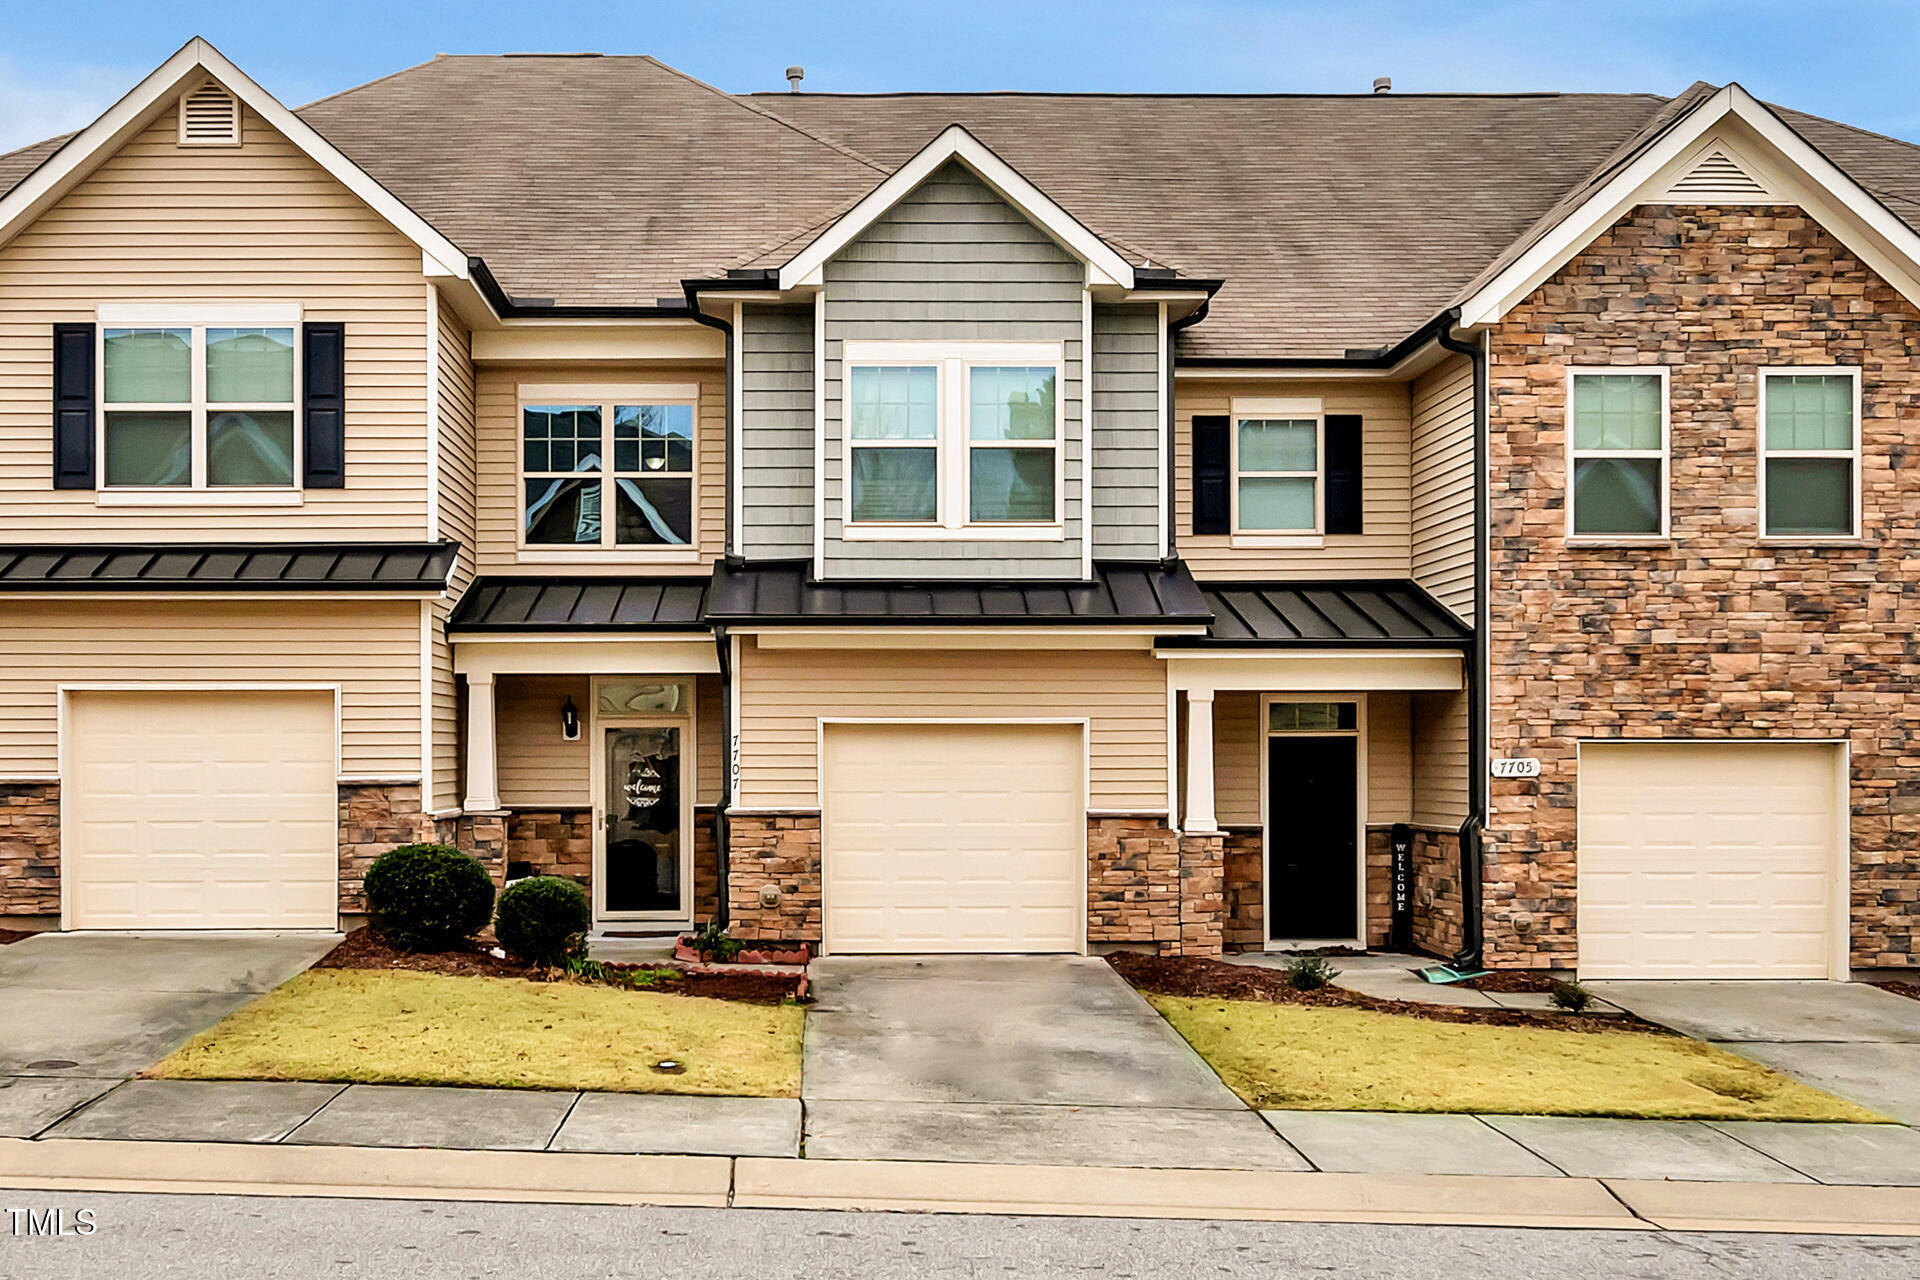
1810 453
953 440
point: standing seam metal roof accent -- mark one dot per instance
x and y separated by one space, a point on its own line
291 566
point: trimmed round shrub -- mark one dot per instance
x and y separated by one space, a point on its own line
428 897
542 918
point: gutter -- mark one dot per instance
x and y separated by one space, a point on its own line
1472 862
508 307
1438 328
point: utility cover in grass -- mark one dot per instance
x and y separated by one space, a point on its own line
370 1027
1278 1056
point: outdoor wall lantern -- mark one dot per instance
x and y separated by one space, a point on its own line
570 721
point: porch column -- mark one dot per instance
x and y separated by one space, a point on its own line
483 787
1200 762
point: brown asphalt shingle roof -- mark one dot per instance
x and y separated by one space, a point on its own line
1337 222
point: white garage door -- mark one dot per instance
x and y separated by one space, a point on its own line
954 838
1708 860
214 810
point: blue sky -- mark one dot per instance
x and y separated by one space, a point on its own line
61 63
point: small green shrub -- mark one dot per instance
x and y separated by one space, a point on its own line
714 943
1310 973
1570 997
543 919
428 897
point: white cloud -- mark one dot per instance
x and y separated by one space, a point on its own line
40 101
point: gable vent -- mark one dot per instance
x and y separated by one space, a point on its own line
1717 177
209 117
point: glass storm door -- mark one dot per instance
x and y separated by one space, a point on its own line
643 867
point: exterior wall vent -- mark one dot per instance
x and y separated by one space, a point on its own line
1717 177
209 117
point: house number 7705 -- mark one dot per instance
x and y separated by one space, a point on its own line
1517 767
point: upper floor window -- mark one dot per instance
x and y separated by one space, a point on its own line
953 440
607 467
1277 474
1618 453
1810 453
199 405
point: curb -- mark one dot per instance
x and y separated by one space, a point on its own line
1078 1191
758 1182
221 1168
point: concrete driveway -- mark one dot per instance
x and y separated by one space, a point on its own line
1849 1038
84 1011
997 1059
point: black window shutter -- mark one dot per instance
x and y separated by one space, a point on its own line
73 406
1343 473
323 405
1212 463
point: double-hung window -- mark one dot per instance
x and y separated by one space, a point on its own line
204 403
607 467
1810 453
953 440
1618 453
1279 469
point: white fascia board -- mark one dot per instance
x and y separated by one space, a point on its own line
1104 266
1828 193
147 100
1003 636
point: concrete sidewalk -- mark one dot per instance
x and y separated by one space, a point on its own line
269 1113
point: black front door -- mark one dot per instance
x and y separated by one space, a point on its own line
1312 827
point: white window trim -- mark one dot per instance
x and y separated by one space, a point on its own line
1361 771
1764 454
953 447
606 395
197 318
1297 410
1664 453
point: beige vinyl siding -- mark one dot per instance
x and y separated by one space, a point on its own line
1443 484
498 408
538 768
1440 759
458 489
257 223
1380 552
1238 745
372 651
784 693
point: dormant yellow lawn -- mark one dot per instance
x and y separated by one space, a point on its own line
1311 1059
371 1026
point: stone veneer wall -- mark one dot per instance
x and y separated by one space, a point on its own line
29 848
1713 635
1147 884
1438 924
1246 898
373 819
781 850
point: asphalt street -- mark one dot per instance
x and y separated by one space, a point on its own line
163 1237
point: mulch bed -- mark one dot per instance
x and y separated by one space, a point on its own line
12 935
1512 982
1218 980
365 949
1911 990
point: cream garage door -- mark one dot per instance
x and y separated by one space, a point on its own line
954 838
200 810
1708 860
